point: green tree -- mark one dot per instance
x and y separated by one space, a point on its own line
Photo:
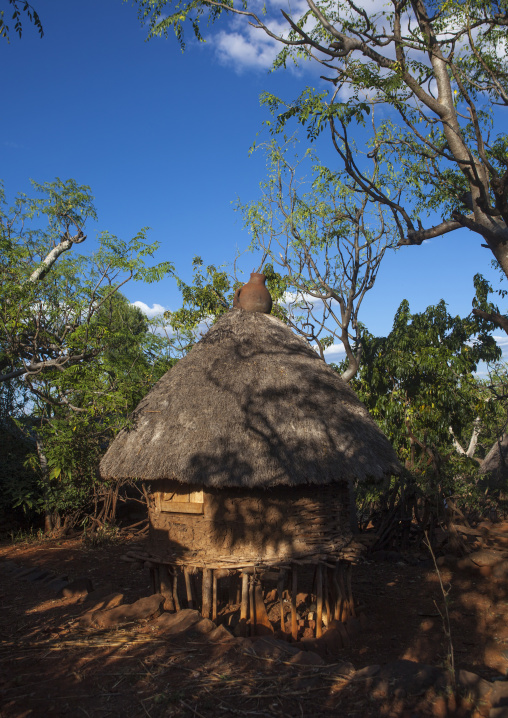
81 354
486 309
437 68
77 412
327 240
49 296
419 384
320 247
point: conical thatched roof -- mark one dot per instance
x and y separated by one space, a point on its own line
251 405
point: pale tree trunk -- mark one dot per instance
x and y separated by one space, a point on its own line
65 244
469 452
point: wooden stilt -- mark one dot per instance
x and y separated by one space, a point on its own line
319 600
214 596
166 581
206 593
175 589
280 590
294 590
233 590
244 608
263 623
188 587
343 594
154 579
351 603
327 582
337 592
252 610
193 571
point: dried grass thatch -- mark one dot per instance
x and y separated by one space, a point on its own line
251 405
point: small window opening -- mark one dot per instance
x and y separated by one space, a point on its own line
183 502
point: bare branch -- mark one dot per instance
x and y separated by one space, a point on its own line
58 363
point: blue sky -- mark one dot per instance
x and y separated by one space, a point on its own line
163 140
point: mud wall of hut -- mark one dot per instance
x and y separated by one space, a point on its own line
246 523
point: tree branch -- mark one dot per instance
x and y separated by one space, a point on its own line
469 452
417 236
51 258
58 363
498 319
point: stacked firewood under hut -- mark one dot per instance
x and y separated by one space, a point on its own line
249 446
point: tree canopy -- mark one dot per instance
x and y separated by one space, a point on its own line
327 240
436 69
419 384
49 295
75 356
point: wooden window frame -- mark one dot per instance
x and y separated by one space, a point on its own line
181 502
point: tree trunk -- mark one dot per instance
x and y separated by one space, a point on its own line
49 517
500 252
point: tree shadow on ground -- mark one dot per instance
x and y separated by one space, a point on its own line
50 667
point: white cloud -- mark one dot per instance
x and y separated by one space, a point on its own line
334 353
152 311
246 50
335 349
501 341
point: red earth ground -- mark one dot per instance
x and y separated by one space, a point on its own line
49 666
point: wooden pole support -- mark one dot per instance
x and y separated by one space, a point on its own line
206 593
294 590
188 587
326 588
319 600
167 587
154 579
238 589
263 623
280 590
344 613
214 596
233 590
351 602
244 605
175 590
244 609
337 592
252 609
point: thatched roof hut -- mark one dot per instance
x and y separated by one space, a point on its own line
248 444
252 405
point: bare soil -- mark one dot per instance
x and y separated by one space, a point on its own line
51 667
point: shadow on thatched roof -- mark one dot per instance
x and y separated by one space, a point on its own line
494 466
251 405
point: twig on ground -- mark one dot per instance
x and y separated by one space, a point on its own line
446 616
144 707
196 713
